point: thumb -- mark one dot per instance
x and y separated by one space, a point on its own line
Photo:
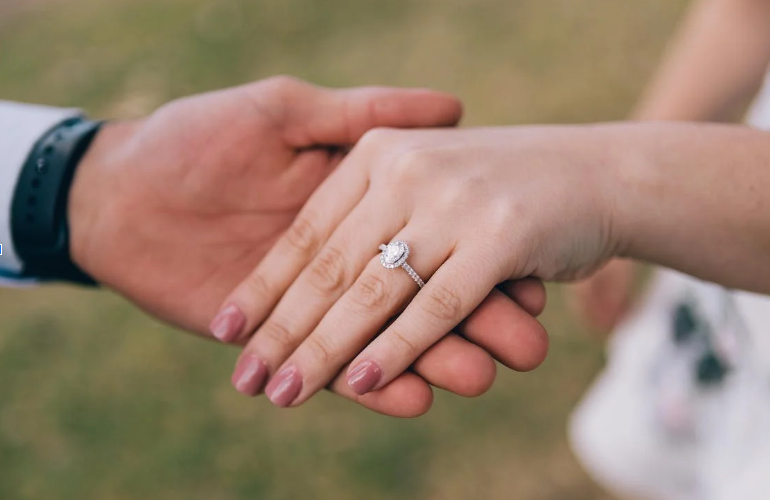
316 116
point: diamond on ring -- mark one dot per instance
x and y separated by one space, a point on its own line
394 255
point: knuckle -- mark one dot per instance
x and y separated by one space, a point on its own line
502 220
327 271
405 345
497 232
280 83
370 292
302 236
375 139
277 333
256 285
503 211
442 303
411 165
467 184
321 349
455 193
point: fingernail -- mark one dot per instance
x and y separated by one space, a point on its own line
364 377
228 323
249 375
284 388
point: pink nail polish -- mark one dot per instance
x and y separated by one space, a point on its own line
249 375
228 323
284 387
364 377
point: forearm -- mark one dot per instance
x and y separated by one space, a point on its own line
714 64
693 197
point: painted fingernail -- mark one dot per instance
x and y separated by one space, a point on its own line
228 323
364 377
284 387
249 375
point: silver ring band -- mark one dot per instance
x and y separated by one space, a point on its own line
394 255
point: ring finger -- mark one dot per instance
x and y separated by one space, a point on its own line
323 281
351 323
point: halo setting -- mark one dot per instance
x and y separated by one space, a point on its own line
394 255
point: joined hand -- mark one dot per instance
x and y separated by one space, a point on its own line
173 210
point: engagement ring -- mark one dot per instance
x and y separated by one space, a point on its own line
394 255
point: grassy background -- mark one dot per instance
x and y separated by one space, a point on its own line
98 401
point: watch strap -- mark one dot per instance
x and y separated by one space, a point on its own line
39 223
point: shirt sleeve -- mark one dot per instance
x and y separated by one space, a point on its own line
21 125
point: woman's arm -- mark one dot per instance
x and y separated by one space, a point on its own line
693 197
714 64
482 206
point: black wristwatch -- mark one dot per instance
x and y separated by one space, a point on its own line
39 225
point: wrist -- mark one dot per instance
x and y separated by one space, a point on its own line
600 160
38 212
632 183
93 188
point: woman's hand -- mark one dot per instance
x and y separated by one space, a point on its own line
477 207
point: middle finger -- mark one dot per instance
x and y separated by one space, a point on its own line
323 281
375 297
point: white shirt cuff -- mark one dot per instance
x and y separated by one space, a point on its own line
21 125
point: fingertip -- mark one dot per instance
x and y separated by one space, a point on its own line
408 396
450 105
476 373
249 375
506 331
535 348
458 366
417 108
529 293
228 324
418 400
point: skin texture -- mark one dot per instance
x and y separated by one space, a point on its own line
173 210
489 205
714 66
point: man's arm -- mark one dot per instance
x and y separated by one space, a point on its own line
21 125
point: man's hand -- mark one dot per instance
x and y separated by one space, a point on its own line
174 210
604 298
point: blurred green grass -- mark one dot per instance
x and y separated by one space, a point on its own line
98 401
